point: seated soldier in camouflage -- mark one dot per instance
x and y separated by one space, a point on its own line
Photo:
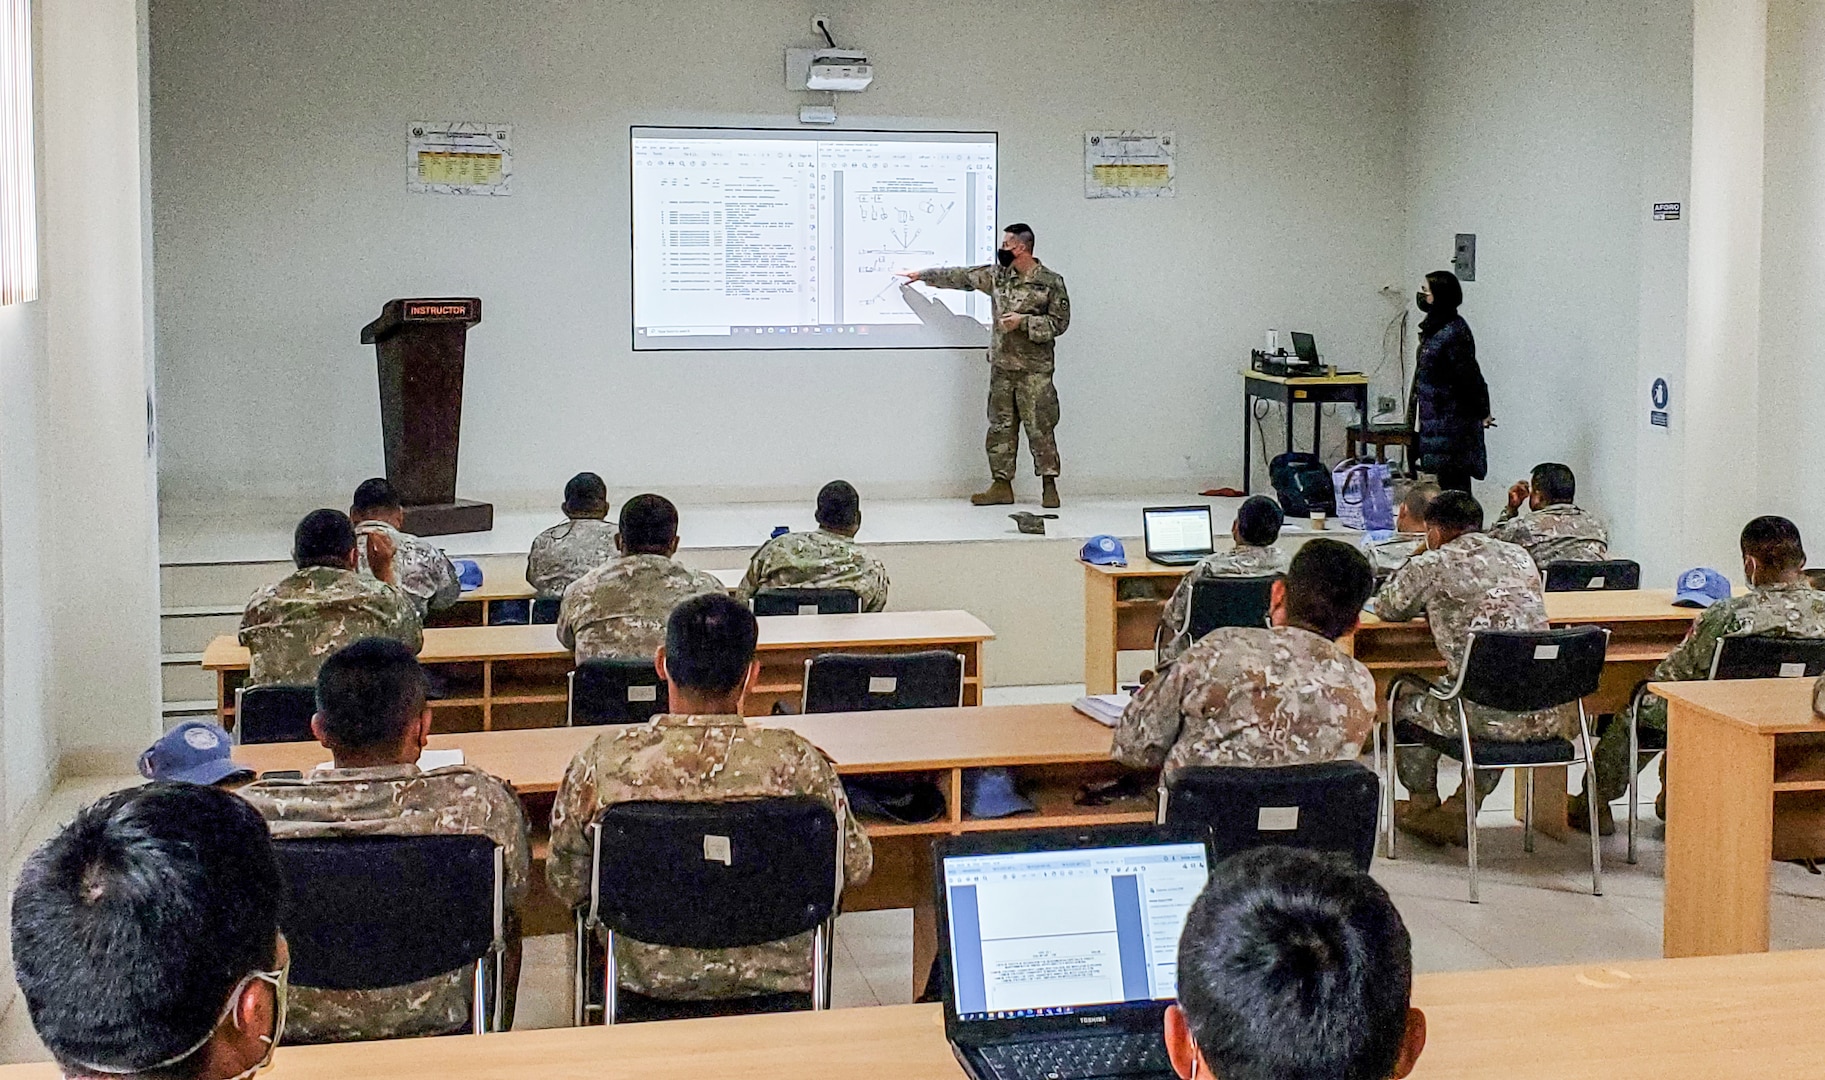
373 718
291 626
1555 530
702 751
826 559
1280 695
619 608
1781 601
586 540
424 571
1256 528
1463 581
1391 553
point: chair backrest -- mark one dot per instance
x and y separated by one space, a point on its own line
273 714
361 913
1327 807
1228 601
807 602
545 610
606 691
1610 575
1525 670
859 682
752 870
1768 656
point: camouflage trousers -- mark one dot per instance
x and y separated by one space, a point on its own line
1612 765
1418 765
1016 398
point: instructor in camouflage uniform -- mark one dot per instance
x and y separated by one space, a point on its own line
1031 310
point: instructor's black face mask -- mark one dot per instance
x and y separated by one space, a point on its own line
1004 256
1424 303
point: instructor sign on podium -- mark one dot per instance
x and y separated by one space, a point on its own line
420 343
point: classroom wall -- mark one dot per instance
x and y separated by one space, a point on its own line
282 224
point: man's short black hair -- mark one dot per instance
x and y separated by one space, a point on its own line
1327 585
709 643
1455 511
323 538
585 494
1022 232
1294 963
838 506
1774 543
133 925
649 523
1555 483
375 496
1258 521
367 693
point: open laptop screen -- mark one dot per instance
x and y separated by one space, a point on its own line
1177 529
1046 933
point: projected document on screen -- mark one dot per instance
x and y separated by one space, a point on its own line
763 239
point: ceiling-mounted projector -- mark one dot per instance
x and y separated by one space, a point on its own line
842 70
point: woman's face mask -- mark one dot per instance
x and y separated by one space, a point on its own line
1423 299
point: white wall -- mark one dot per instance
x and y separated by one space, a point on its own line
282 224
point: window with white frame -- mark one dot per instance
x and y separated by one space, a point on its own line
18 161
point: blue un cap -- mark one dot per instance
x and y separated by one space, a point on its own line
1104 550
1701 587
194 752
468 574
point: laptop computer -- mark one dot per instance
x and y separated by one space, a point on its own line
1306 349
1060 948
1176 535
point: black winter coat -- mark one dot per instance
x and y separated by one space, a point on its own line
1451 397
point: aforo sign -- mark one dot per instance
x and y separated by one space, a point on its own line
439 310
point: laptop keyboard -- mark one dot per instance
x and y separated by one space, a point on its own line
1079 1059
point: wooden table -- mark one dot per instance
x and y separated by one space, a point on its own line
1735 1016
1745 784
1290 390
514 676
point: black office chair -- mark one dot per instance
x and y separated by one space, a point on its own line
1327 807
539 611
1513 671
274 714
863 682
807 602
1749 656
355 914
610 691
753 870
1613 575
1221 601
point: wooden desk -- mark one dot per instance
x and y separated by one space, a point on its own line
1288 391
514 676
1745 784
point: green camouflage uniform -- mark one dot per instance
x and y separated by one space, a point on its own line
696 759
1242 560
289 627
395 800
421 568
816 560
564 553
1246 696
619 609
1020 382
1387 556
1558 533
1783 610
1474 582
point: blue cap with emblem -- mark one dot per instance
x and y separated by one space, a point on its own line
194 752
1104 550
1700 587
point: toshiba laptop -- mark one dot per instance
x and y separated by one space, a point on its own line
1176 535
1061 948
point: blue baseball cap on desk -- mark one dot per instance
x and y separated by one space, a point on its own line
1700 587
194 752
1104 550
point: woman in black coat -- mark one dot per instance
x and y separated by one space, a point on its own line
1451 397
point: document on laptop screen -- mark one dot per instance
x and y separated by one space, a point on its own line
1178 530
1044 933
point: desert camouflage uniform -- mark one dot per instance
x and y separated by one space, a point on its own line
1782 610
816 560
697 759
396 800
1472 583
1246 696
619 609
1557 533
1242 560
1020 382
1818 697
1392 553
421 568
564 553
289 627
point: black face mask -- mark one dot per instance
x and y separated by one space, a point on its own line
1004 256
1422 301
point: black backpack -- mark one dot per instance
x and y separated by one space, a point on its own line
1302 484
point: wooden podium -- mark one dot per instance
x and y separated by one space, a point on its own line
420 346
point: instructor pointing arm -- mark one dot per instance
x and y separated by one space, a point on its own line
1031 310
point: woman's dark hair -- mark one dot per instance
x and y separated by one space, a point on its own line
1447 290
